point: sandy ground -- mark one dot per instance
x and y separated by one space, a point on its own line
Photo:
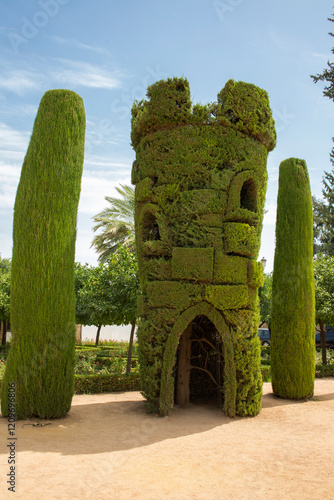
107 447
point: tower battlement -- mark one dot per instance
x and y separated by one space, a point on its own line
240 106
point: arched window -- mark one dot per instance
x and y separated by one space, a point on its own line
150 228
248 195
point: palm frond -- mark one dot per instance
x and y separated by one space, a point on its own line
116 222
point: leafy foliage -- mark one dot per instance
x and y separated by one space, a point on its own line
107 294
328 74
323 217
5 297
324 288
323 209
116 222
265 294
5 265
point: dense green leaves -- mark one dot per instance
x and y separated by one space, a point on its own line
4 297
5 265
324 288
265 293
324 209
324 296
107 294
323 217
327 75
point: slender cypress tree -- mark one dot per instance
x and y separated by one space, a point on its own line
40 364
293 307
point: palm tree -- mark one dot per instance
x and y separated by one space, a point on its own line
117 223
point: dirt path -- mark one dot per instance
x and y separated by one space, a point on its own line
107 447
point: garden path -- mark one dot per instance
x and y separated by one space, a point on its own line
107 447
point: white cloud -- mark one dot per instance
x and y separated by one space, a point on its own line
95 186
323 57
269 218
12 140
19 81
84 74
106 165
55 71
72 42
10 175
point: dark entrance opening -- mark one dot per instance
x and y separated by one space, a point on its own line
248 195
199 368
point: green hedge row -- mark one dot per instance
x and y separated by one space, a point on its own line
324 371
320 371
104 351
93 384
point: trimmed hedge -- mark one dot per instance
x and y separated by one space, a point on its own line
324 371
94 384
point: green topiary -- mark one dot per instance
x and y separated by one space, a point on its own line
293 308
200 175
41 360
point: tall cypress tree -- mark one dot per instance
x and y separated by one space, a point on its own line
293 308
41 360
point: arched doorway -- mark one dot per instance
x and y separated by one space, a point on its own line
167 388
199 367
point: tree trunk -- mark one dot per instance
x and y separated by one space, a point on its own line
4 333
323 342
98 335
132 334
183 368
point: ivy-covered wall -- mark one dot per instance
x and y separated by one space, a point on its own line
200 176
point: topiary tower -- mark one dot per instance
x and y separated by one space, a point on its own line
293 299
200 175
41 359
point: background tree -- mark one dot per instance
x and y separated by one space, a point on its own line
5 265
293 300
42 310
116 222
323 218
265 293
327 75
4 304
107 294
323 209
324 296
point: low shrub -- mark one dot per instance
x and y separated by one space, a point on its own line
324 370
94 384
266 373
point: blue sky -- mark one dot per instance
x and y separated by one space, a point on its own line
108 51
